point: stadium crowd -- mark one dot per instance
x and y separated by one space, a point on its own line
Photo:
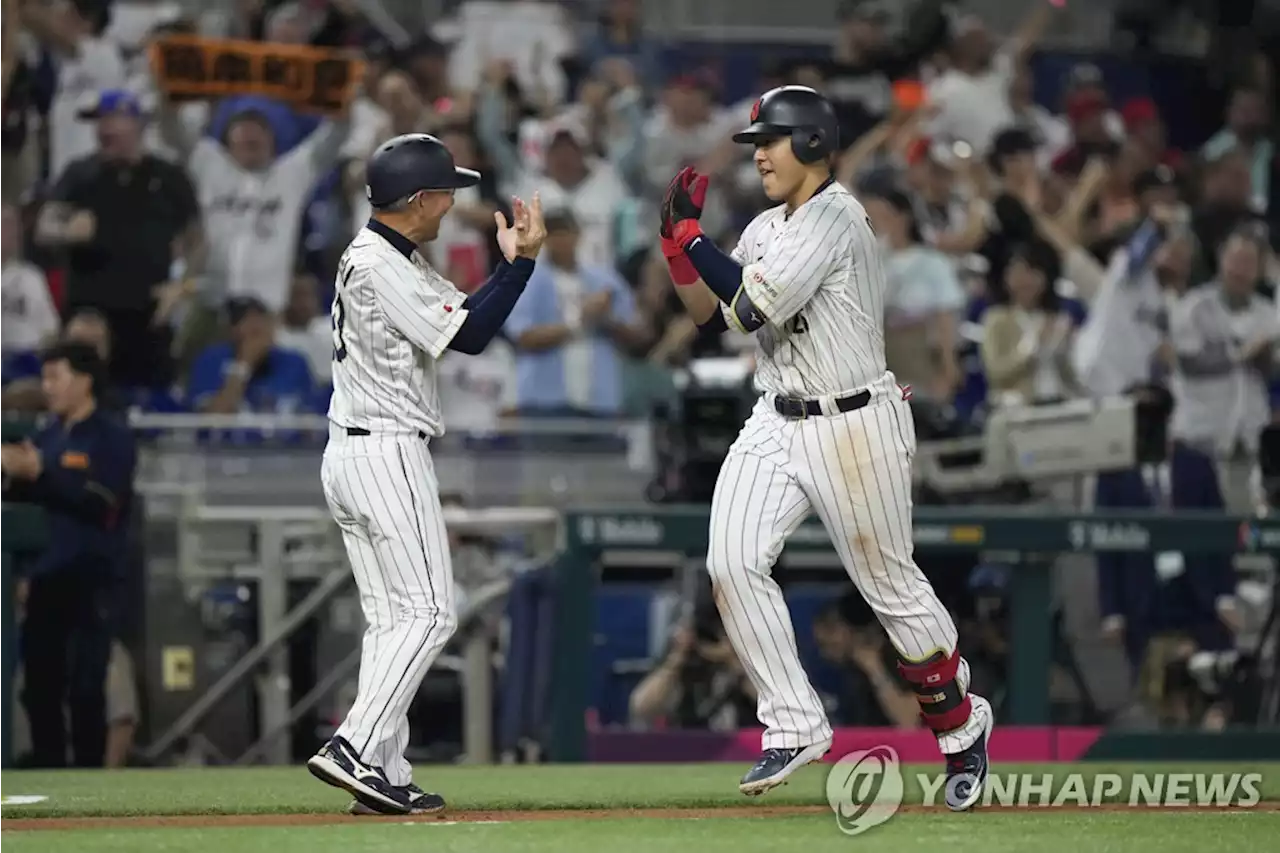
202 234
191 242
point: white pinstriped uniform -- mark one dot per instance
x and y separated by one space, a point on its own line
392 318
817 278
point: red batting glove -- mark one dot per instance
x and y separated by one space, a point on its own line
682 206
678 263
685 232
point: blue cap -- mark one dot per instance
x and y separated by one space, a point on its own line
113 101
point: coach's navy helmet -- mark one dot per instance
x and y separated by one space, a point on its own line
412 163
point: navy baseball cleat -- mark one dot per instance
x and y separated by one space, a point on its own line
338 764
967 770
420 802
775 765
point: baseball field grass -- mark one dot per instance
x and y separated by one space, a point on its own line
595 809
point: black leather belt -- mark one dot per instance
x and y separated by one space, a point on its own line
812 408
359 431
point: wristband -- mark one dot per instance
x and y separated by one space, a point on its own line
682 271
678 263
686 231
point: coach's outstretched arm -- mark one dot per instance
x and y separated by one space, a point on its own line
490 306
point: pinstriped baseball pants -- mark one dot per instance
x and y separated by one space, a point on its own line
853 470
383 494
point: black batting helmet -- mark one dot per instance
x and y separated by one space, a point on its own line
795 111
412 163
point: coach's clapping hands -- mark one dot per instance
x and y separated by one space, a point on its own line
524 238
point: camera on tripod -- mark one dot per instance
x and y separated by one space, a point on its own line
693 437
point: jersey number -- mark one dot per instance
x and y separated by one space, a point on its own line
339 320
797 325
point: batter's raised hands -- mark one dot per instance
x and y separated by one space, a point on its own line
524 237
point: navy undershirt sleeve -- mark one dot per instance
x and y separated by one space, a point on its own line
718 271
717 323
489 307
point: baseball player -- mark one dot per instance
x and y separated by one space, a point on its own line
393 317
831 434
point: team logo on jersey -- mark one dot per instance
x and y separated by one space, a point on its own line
755 109
448 309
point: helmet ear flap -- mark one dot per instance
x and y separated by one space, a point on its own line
808 144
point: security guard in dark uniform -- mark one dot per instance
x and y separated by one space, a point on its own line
80 469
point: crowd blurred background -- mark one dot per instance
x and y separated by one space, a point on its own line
1022 162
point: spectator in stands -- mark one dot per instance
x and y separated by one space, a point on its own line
462 251
1086 82
1087 112
872 693
1146 129
130 27
29 317
610 108
699 684
686 128
370 127
478 391
119 214
867 61
971 398
533 38
80 469
1052 135
90 326
1225 205
948 195
1224 335
1248 120
84 326
427 63
589 188
1012 160
1117 208
1026 343
972 94
922 301
1124 343
252 198
399 99
250 373
86 65
619 34
571 329
304 329
29 82
338 23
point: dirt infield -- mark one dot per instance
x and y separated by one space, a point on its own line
462 816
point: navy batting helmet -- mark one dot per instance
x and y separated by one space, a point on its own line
412 163
798 112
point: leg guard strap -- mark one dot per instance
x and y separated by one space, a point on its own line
943 705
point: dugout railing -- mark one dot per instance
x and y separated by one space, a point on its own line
1029 538
587 537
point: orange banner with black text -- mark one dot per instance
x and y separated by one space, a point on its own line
310 79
